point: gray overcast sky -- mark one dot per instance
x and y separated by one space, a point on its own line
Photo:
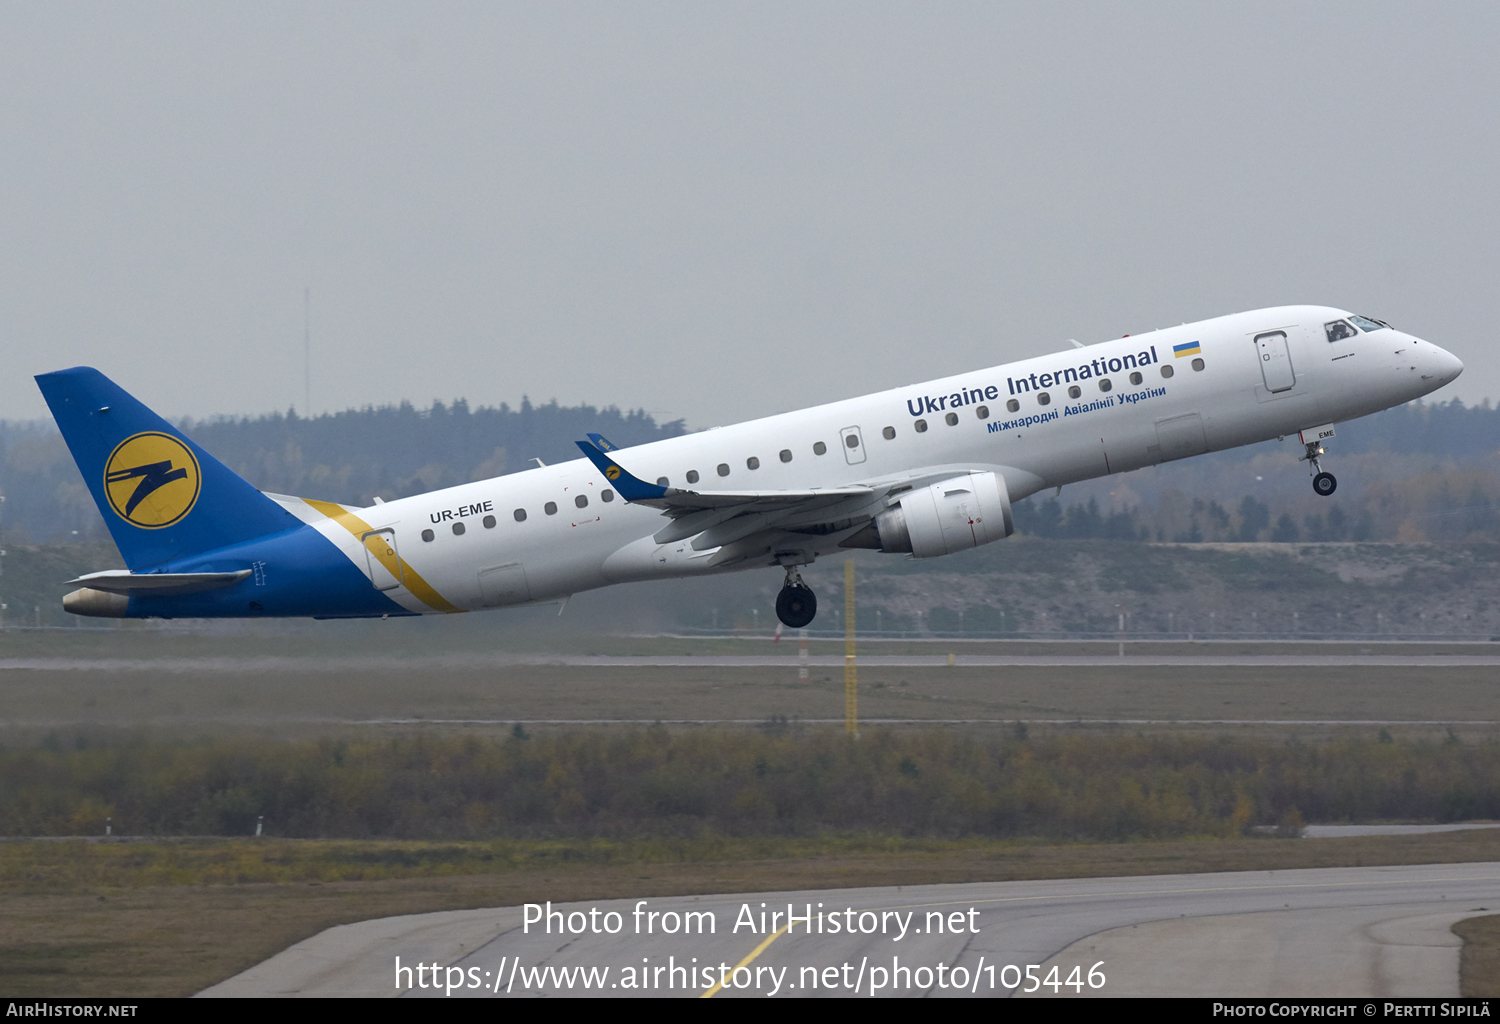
718 211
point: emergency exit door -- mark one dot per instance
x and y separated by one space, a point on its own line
1275 361
853 443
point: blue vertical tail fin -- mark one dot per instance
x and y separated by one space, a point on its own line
161 495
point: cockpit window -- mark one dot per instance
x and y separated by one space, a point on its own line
1364 323
1339 330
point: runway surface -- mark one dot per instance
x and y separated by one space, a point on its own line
216 665
1359 932
869 722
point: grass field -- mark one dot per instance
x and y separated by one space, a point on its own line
95 919
335 698
235 675
169 918
1480 967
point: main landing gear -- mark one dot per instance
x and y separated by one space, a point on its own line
1323 483
796 605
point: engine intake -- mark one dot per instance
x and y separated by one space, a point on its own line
954 515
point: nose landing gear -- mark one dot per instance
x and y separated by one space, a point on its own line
1323 483
796 605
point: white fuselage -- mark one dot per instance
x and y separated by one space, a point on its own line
1249 389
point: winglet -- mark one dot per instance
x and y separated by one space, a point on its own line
631 488
602 443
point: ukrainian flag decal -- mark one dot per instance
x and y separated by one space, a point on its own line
1189 349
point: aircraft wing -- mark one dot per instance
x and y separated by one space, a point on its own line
676 501
716 518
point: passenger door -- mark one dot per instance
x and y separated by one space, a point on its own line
1275 361
381 557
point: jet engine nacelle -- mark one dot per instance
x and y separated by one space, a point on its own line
954 515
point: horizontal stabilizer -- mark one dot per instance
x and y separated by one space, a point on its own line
121 581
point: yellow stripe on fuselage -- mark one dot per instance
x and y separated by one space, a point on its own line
386 556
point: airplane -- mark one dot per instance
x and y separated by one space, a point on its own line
924 470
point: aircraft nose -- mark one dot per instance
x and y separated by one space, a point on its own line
1447 365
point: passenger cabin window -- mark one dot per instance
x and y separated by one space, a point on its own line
852 440
983 412
1197 364
428 535
582 501
1074 391
606 495
951 419
786 455
1042 398
1104 384
1012 406
520 515
1339 331
489 522
1364 323
723 469
820 448
550 508
458 529
661 481
1167 371
692 476
889 433
1135 378
921 426
752 463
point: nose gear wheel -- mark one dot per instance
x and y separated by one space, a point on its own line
1324 483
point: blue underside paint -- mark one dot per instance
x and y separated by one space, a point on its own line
298 572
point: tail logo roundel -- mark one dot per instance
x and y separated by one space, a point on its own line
152 480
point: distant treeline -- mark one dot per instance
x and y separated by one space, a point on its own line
1249 522
778 781
1443 505
352 456
393 451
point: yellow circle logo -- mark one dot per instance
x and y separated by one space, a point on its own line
613 472
152 480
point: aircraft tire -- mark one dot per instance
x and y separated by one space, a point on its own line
1325 484
796 606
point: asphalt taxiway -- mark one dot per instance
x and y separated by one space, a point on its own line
1357 932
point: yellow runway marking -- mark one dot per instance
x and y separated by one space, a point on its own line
757 951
